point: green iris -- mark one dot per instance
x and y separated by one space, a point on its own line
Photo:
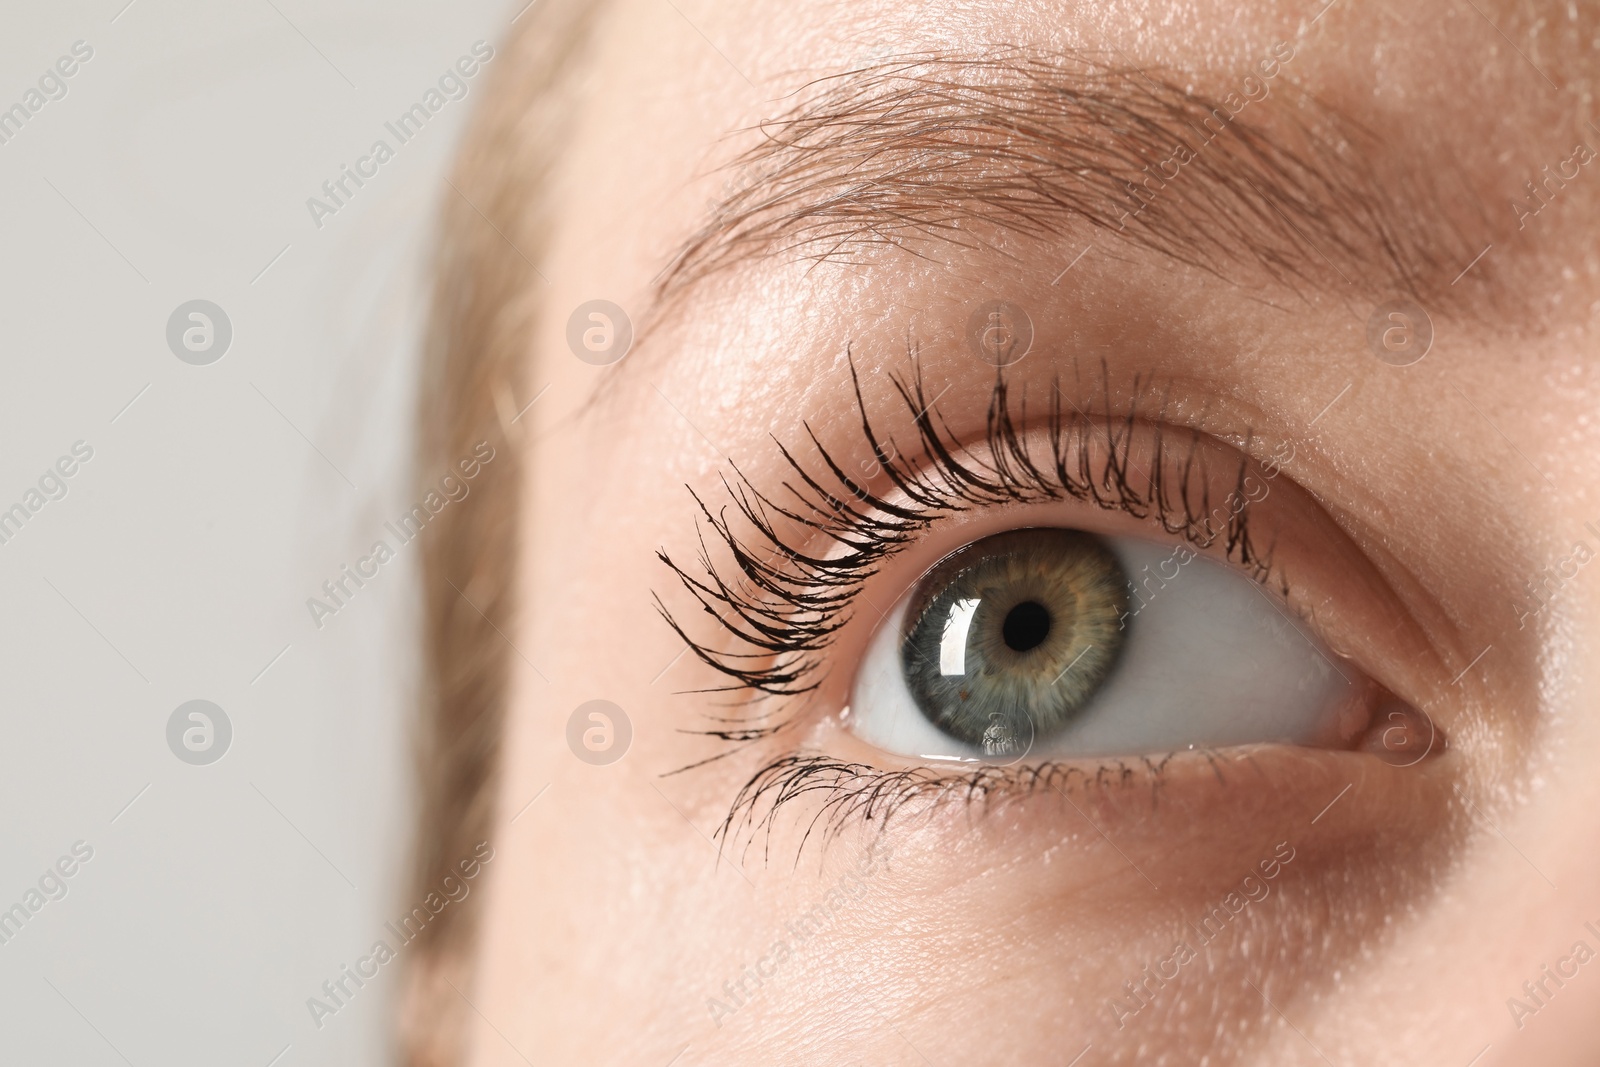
1008 638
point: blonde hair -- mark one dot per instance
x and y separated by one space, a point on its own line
494 226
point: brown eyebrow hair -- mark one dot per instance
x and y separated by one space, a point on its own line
918 150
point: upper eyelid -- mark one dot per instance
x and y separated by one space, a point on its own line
784 626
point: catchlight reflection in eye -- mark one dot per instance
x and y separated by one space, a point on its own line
1058 643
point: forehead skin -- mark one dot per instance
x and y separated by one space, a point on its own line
609 921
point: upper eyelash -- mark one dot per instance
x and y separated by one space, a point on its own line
784 610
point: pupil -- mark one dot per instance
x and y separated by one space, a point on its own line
1026 626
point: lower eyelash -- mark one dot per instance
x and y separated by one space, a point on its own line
851 792
789 601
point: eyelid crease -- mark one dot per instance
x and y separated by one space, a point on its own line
788 602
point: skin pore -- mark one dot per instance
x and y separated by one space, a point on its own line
789 249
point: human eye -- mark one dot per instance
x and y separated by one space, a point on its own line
1050 596
1051 642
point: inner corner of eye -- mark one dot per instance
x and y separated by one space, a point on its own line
1058 643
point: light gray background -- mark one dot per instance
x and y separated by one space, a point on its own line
178 565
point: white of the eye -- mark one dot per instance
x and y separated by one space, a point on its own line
953 643
1210 660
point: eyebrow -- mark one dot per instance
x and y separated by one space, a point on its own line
1261 182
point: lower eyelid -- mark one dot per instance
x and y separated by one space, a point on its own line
1149 807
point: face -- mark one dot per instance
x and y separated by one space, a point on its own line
1086 553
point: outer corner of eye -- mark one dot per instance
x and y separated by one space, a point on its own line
1060 643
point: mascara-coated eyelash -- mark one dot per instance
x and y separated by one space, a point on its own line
790 597
846 792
